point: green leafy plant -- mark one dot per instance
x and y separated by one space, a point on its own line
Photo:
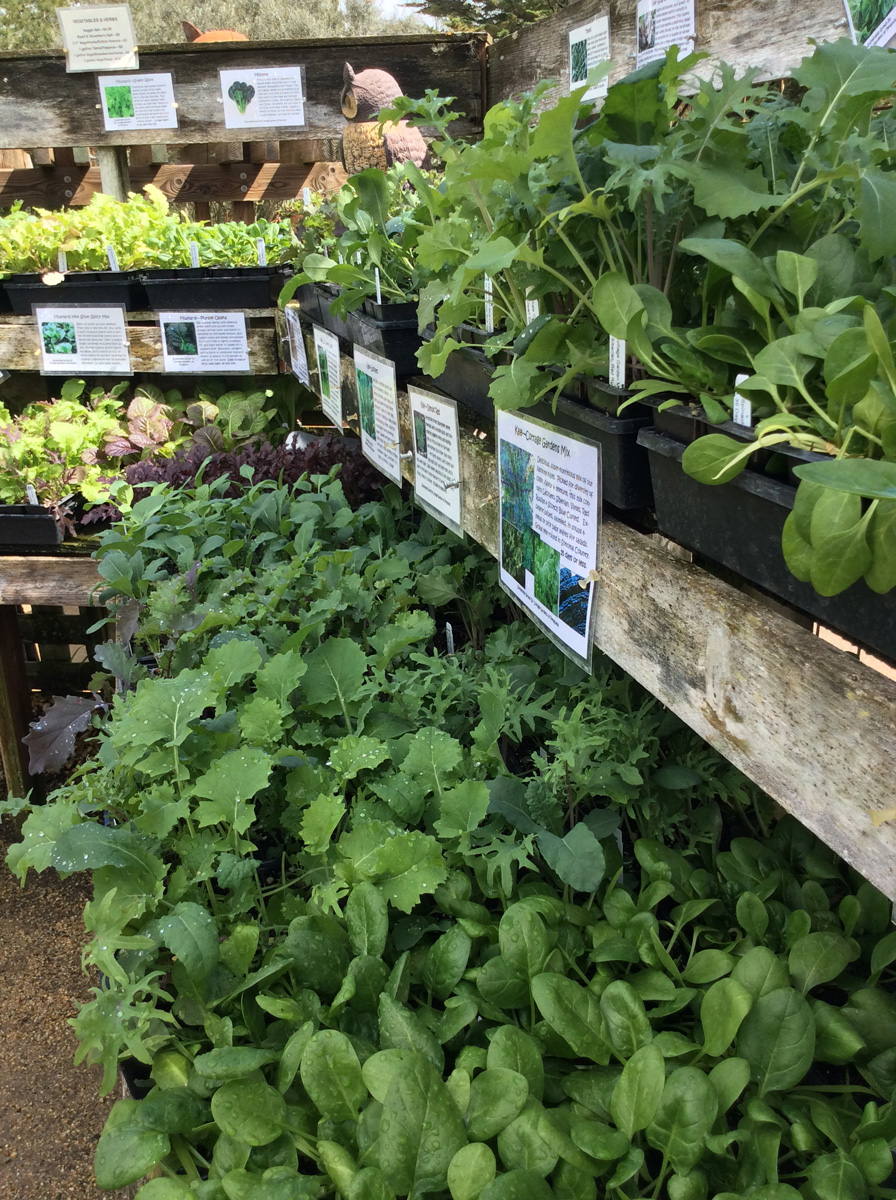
241 94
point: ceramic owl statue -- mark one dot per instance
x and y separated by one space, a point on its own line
364 144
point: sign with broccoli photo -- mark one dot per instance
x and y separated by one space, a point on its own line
261 98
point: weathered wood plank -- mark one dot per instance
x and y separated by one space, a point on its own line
771 35
15 703
48 579
36 94
20 351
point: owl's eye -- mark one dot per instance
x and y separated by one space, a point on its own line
349 103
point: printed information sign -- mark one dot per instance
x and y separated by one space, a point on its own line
256 97
138 101
549 489
98 37
298 357
83 338
378 412
665 23
329 371
195 342
589 46
437 487
872 22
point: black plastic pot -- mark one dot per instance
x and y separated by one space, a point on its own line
625 468
28 525
386 329
206 288
598 393
79 287
739 524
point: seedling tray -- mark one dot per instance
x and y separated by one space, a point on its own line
28 525
738 525
206 288
393 334
80 287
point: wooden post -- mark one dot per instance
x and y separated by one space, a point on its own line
115 178
15 703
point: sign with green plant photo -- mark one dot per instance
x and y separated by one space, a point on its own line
549 501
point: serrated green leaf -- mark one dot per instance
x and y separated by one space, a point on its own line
319 820
231 780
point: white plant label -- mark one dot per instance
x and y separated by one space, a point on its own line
617 362
61 262
138 101
98 37
86 338
532 307
113 258
263 97
194 254
589 46
489 289
437 479
662 24
742 412
549 487
376 280
378 412
262 252
329 370
196 342
306 197
298 357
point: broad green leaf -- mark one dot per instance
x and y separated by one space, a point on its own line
319 820
331 1075
818 958
232 1062
625 1018
636 1096
172 1110
523 941
401 1029
692 1186
250 1111
499 985
760 971
777 1038
874 1159
496 1098
577 857
517 1185
462 808
378 1070
470 1170
353 754
367 919
729 1078
230 781
334 672
232 663
573 1012
627 1168
685 1116
291 1056
238 951
432 759
515 1050
369 1184
127 1150
492 256
707 965
90 846
521 1146
796 272
737 260
872 478
836 1177
877 196
724 1007
752 915
446 962
598 1140
715 458
615 303
881 575
165 1189
572 1183
420 1130
191 934
840 551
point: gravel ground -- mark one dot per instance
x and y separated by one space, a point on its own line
50 1112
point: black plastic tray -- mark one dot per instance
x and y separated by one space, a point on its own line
394 336
739 524
28 525
206 288
79 287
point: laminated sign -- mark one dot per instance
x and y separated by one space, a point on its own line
549 491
